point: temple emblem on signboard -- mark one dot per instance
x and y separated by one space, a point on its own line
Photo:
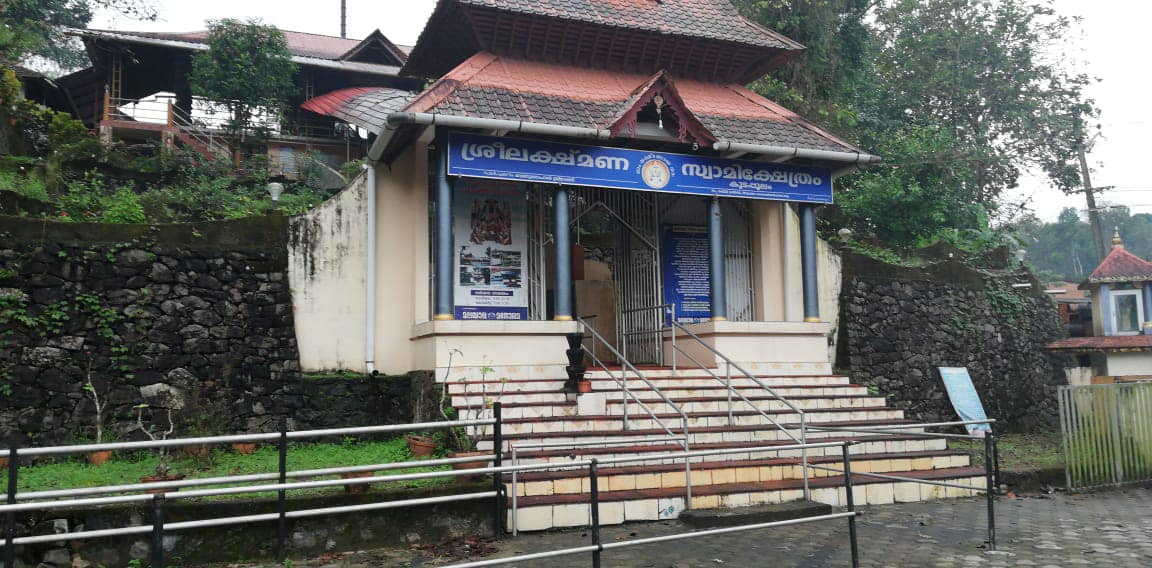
655 173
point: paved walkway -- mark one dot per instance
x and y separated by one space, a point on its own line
1112 528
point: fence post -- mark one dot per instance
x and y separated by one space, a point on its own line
10 518
851 504
996 463
497 477
281 497
990 489
594 487
158 531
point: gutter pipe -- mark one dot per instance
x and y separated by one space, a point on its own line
370 277
397 119
855 158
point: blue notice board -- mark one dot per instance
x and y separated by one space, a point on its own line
964 398
515 159
684 268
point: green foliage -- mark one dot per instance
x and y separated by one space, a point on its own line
959 96
248 66
1064 250
36 27
124 207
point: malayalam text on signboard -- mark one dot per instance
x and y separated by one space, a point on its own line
514 159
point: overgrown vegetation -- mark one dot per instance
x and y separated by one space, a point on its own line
958 96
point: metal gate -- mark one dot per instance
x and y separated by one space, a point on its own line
635 266
1107 431
738 259
539 238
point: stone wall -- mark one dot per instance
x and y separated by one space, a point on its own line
898 324
192 318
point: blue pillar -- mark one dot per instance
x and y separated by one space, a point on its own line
808 263
1147 304
1106 310
716 261
443 227
563 311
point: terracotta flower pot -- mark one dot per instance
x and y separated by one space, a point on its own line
4 463
584 386
421 446
357 489
480 463
244 448
162 478
99 458
197 452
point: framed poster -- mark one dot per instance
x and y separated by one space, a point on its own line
685 272
964 398
489 224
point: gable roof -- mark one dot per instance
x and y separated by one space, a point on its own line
489 86
306 48
1121 266
708 19
376 41
706 39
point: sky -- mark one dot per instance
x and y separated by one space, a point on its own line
1105 51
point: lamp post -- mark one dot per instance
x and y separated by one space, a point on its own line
274 190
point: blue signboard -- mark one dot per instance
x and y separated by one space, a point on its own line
964 398
514 159
685 271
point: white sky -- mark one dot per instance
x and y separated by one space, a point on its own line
1108 51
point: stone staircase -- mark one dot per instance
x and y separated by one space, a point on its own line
537 411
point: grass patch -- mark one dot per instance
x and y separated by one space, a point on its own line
127 469
335 375
1032 450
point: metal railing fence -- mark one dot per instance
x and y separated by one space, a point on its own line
597 547
800 437
1107 433
991 460
143 492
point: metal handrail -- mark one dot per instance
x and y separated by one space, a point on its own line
803 438
625 336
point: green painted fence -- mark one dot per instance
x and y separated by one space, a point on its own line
1107 431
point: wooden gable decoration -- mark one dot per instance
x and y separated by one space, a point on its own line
659 94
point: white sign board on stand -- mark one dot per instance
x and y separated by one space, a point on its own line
964 398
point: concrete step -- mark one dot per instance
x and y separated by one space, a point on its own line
616 507
696 421
475 397
623 477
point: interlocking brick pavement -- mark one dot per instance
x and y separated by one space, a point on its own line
1109 528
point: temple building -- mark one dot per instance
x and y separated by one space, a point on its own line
590 183
1121 346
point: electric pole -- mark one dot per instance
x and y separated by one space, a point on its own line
1090 195
343 18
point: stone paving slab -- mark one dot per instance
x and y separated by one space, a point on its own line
1111 528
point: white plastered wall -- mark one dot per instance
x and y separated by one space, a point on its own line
777 272
1121 364
327 264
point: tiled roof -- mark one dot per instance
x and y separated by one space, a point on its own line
1121 266
366 107
487 86
1109 343
299 43
711 19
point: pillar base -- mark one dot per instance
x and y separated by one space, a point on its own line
719 318
443 317
811 320
562 318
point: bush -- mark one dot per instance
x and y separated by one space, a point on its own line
124 207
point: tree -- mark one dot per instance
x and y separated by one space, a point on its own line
959 97
35 28
247 69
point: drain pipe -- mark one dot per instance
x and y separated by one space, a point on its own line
370 277
398 119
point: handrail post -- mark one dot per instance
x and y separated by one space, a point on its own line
850 502
515 492
281 495
10 518
624 383
157 531
672 326
594 505
996 462
804 454
687 474
497 478
990 490
729 380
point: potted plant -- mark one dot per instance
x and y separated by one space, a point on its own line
461 439
163 467
577 379
358 488
421 446
205 416
244 448
102 456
